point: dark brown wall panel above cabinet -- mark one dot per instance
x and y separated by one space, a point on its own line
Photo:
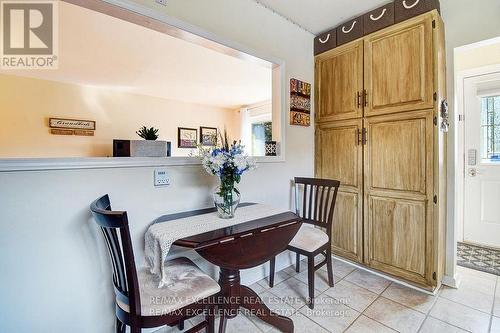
326 41
350 31
405 9
378 19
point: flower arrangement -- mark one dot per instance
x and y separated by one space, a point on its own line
228 162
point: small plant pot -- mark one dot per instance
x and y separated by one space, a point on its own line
148 148
141 148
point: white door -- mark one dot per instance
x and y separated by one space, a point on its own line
482 160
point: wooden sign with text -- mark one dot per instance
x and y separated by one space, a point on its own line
72 124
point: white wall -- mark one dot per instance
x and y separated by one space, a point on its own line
55 274
466 22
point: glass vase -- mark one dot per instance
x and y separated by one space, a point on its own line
226 200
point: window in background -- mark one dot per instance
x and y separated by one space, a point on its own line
261 132
490 128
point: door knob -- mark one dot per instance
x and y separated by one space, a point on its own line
473 172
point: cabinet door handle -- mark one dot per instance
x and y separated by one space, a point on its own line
359 98
359 141
364 136
365 97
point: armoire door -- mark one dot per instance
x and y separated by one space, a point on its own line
339 156
399 195
339 83
399 68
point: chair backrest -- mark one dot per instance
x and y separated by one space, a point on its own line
318 200
114 227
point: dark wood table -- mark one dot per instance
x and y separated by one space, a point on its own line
242 246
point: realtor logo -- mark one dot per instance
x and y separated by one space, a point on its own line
29 34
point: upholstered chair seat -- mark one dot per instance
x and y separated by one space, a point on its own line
318 198
309 238
186 285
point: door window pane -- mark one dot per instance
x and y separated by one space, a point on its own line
490 128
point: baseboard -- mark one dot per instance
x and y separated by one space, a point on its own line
451 281
385 276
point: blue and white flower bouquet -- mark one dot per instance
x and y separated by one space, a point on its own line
228 162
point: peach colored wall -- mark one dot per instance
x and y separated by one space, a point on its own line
26 104
478 57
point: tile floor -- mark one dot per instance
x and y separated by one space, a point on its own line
364 302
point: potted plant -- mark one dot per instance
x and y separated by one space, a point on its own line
228 162
148 133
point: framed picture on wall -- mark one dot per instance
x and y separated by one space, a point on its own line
208 136
187 137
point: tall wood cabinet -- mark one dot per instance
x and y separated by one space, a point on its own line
378 132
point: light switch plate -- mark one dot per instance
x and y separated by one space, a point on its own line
161 177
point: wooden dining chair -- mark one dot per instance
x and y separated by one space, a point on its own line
140 303
318 203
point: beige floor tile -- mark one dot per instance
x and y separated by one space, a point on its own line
465 272
330 314
257 287
278 278
342 269
460 315
367 280
292 291
303 324
432 325
277 305
496 309
366 325
320 279
168 329
495 325
395 316
240 324
412 298
352 295
476 291
264 284
290 270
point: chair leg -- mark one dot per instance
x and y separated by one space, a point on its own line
210 321
329 267
273 269
297 263
135 329
222 324
119 326
310 281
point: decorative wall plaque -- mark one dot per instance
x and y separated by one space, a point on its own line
300 103
72 124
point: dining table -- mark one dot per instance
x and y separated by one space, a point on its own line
236 247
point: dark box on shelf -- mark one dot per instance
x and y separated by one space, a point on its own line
378 19
326 41
405 9
350 31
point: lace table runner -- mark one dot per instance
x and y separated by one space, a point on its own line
160 236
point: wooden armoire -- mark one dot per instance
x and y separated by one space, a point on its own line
378 131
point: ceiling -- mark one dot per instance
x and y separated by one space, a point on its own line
133 59
318 16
